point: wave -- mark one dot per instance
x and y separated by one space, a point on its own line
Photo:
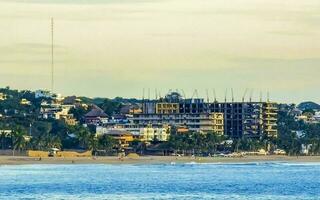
262 163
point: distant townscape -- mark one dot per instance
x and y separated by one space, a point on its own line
41 123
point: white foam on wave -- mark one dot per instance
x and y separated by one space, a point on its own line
270 163
162 196
299 163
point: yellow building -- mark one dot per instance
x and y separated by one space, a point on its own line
122 136
218 123
182 129
3 97
69 119
149 134
211 122
135 110
269 119
25 102
167 108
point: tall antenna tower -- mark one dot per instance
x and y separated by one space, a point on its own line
52 58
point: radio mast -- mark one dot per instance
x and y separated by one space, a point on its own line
52 58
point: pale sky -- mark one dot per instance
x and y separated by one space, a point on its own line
111 48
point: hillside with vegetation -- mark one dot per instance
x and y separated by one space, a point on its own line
28 131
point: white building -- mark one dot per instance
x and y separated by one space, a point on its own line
54 111
43 94
317 116
147 134
5 132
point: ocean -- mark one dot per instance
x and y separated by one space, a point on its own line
274 181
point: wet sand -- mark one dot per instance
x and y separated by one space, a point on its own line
11 160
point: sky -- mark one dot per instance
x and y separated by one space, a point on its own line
109 48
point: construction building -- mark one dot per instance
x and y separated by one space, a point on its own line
167 108
234 119
252 119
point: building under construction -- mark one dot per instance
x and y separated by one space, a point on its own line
235 119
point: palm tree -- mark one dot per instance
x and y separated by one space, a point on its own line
18 140
212 141
93 142
83 136
106 142
53 142
4 140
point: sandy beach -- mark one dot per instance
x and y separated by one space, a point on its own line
21 160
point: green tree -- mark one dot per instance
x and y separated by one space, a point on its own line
92 142
107 143
110 107
83 135
18 139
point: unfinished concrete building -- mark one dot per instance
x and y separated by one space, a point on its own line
235 119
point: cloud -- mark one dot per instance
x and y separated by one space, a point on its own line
116 47
33 53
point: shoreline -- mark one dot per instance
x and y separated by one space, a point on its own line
145 160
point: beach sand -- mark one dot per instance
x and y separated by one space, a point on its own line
16 160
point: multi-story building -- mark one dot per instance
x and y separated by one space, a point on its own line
269 119
57 111
251 119
235 119
149 134
195 122
96 116
122 136
218 123
167 108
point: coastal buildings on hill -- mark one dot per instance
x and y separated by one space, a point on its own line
150 121
155 119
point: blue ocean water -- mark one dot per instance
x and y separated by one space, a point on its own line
162 181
